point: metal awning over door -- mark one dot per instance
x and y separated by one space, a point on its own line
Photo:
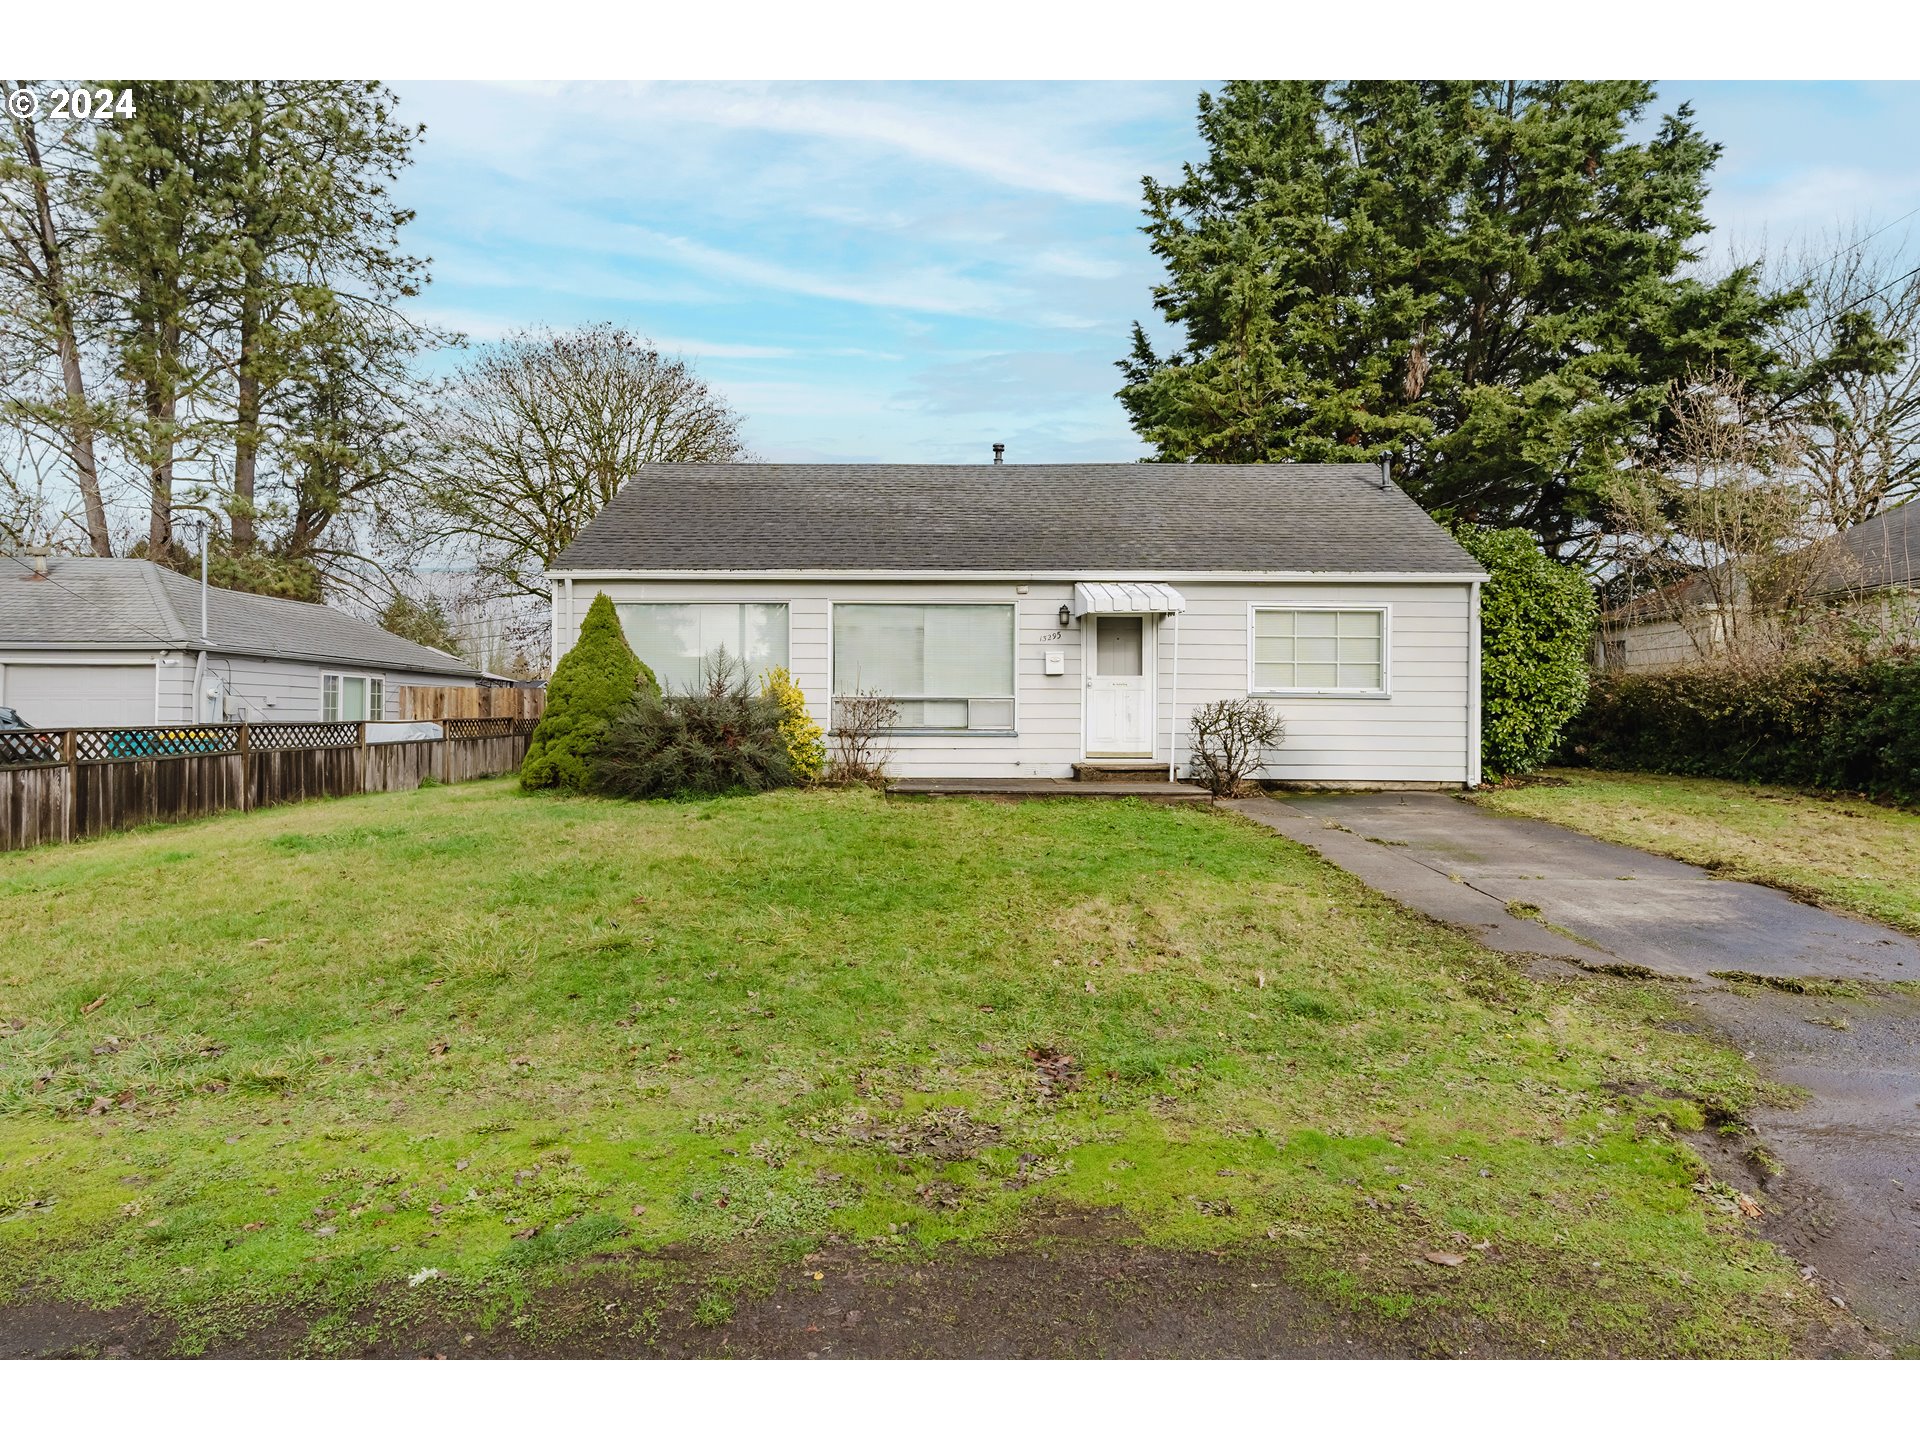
1126 597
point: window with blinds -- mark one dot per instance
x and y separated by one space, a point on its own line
947 667
675 640
1318 652
353 697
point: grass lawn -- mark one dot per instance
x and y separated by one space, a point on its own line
1847 854
286 1062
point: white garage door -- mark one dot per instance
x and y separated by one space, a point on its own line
53 697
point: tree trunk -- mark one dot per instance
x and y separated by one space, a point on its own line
246 443
60 312
162 409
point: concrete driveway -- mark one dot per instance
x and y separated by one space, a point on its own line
1848 1202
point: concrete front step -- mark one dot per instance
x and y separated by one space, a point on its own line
1120 770
1161 791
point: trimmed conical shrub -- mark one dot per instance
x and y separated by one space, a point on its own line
592 683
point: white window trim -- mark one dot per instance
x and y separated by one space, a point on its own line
340 694
833 694
1383 610
786 605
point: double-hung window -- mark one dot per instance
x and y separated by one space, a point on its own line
675 640
947 667
353 697
1318 651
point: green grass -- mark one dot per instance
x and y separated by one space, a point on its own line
1847 854
497 1036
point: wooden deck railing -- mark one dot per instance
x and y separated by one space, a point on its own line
58 785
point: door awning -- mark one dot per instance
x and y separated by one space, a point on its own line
1126 597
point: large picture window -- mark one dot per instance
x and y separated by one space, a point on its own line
948 667
1318 651
675 639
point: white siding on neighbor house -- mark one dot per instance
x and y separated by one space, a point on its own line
270 691
1419 732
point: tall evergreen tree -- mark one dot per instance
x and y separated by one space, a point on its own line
1487 281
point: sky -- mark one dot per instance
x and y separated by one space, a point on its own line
915 271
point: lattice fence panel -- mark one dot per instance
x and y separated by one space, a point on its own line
315 735
487 728
30 747
145 742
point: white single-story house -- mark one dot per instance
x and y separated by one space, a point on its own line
1028 619
96 642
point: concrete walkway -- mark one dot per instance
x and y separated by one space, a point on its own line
1848 1201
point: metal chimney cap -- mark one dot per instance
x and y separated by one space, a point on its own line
999 453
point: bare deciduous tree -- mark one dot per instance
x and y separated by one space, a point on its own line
531 439
1861 432
860 725
1728 539
1230 740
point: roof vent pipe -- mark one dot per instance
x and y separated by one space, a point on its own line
1386 471
38 554
999 453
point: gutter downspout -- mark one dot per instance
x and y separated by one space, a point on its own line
1473 685
1173 706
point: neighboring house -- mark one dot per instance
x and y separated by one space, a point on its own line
87 641
1866 578
1028 618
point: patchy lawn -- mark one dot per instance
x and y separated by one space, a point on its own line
330 1061
1847 854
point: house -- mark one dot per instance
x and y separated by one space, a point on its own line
96 642
1030 618
1864 581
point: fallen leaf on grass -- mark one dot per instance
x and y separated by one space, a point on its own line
420 1277
93 1005
526 1234
1749 1206
1445 1257
438 1047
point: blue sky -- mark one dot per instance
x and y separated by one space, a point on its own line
913 271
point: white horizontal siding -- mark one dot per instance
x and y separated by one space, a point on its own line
1417 733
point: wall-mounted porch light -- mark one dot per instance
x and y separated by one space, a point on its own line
1066 616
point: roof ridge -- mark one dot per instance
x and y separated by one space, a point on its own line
151 571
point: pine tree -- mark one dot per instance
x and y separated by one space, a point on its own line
1486 281
592 683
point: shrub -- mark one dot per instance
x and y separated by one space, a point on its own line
1230 739
860 725
1536 630
1828 723
591 684
799 731
719 739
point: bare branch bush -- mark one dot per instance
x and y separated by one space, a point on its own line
1229 741
858 754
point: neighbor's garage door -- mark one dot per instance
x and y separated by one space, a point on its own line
53 697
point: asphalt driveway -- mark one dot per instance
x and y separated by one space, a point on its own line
1848 1201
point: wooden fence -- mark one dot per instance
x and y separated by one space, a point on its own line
60 785
472 702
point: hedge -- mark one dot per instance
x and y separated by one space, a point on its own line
1826 724
1536 628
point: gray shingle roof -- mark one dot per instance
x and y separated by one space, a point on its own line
1885 550
92 603
1078 519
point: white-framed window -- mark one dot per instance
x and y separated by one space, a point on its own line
353 697
1318 650
674 639
948 667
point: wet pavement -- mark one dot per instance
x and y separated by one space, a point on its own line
1846 1200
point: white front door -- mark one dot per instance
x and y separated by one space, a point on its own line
1119 686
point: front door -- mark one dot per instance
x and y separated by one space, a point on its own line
1119 687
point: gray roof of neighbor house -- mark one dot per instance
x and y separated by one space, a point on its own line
90 604
1037 519
1884 550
